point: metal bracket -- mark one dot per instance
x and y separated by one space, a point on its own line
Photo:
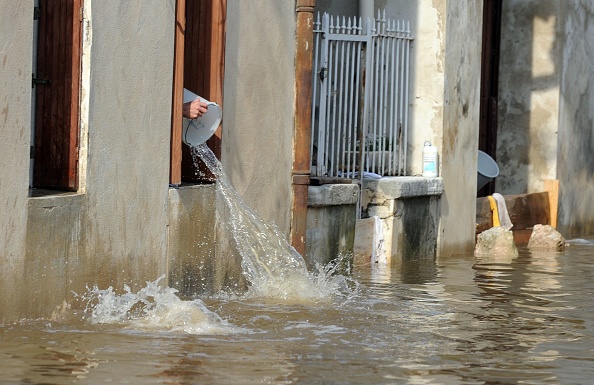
35 80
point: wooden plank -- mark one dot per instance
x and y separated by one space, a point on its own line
176 113
551 186
74 92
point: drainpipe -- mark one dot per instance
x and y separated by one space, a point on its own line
366 10
302 128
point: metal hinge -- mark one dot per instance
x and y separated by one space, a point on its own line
36 13
35 80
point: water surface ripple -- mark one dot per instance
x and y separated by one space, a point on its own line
528 320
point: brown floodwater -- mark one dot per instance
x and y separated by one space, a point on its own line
524 320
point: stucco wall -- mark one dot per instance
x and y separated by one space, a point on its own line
444 105
16 34
114 231
528 95
462 69
426 101
576 120
129 133
259 97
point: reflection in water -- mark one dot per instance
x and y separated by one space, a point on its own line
526 320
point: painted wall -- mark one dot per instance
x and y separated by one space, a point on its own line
114 231
259 98
528 95
576 120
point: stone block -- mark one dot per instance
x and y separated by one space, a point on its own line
545 237
496 241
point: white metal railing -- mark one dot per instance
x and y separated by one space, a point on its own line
360 90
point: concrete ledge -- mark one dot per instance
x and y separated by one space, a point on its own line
332 195
403 187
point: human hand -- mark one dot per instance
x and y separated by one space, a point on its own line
194 109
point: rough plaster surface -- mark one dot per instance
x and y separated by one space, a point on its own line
129 131
460 126
545 116
528 95
576 123
333 195
259 95
113 232
16 34
426 98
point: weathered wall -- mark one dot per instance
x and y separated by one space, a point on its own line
462 68
337 7
200 259
114 230
444 104
129 134
426 100
331 216
528 95
259 95
16 34
576 120
545 119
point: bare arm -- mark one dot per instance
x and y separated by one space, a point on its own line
194 109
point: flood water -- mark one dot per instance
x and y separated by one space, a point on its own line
524 320
528 320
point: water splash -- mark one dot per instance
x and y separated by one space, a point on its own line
152 308
270 264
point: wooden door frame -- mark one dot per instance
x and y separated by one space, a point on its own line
215 81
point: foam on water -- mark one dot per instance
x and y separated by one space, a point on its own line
153 308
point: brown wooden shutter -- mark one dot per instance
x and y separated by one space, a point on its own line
203 69
57 95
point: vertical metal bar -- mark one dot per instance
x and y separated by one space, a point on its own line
389 102
345 97
402 106
405 94
396 103
316 100
356 101
340 96
383 98
332 78
322 126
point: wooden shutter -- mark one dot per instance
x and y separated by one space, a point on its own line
203 69
57 95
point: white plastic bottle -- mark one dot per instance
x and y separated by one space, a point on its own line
429 160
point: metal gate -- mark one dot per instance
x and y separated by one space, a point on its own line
360 90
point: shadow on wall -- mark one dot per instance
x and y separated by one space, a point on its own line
528 110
